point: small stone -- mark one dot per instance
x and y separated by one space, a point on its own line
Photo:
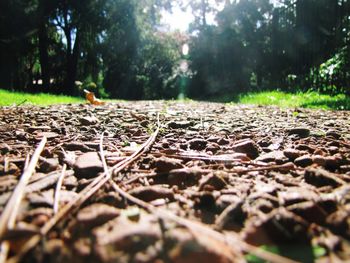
214 181
223 141
304 147
180 124
213 147
197 144
43 198
311 211
4 148
11 169
319 159
49 165
294 195
248 147
89 120
38 128
97 214
300 131
303 161
76 146
333 134
165 164
345 168
70 182
280 226
332 163
320 177
275 156
7 183
22 230
88 165
292 154
319 152
338 222
150 193
333 149
185 176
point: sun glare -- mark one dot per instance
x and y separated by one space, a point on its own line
180 20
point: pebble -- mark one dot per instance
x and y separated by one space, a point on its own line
180 124
223 141
213 147
303 161
48 165
292 154
214 181
4 148
97 214
275 156
300 131
76 146
165 164
197 144
89 120
248 147
320 177
150 193
88 165
333 134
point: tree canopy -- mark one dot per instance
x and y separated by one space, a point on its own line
119 49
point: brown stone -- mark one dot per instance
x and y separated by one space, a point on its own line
248 147
88 165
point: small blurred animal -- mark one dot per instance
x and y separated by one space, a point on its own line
90 96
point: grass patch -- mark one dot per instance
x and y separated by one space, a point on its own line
8 98
300 252
306 100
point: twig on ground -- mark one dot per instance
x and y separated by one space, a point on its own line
102 155
22 102
232 241
286 166
9 215
56 203
85 194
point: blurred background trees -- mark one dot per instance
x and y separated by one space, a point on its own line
120 48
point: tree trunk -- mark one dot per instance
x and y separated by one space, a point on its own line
72 67
44 56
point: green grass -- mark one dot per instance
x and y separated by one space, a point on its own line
306 100
279 98
8 98
300 252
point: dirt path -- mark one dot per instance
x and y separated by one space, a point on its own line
210 184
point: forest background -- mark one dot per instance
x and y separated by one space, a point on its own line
121 49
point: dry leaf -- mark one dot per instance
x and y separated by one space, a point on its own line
90 96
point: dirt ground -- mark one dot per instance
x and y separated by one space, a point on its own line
174 182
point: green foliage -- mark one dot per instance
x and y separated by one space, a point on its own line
257 46
333 75
46 46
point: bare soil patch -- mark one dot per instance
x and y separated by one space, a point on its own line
175 182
